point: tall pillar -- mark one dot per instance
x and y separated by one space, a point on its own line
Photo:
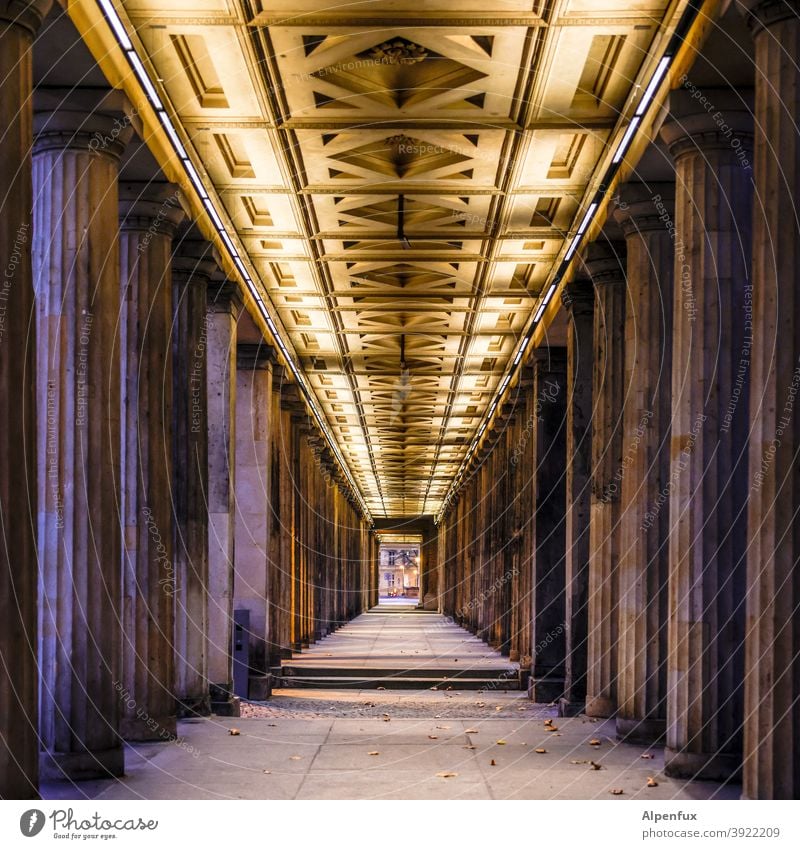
605 263
223 308
710 378
19 741
76 274
548 525
253 490
192 267
772 646
647 218
578 298
149 213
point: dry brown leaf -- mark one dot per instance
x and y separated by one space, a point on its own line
432 737
446 774
548 722
481 704
648 756
266 772
471 731
296 758
595 765
272 725
616 791
651 782
380 688
387 719
442 727
594 742
499 707
578 762
434 688
373 753
234 732
541 751
501 742
551 728
468 747
492 762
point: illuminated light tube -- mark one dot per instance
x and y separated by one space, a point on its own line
173 136
587 218
144 79
195 178
505 382
626 139
539 312
210 209
550 292
573 247
228 243
653 86
116 24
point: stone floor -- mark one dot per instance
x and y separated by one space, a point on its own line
395 744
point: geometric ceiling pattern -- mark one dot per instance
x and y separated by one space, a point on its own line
402 176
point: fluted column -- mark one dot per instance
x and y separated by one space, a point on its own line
253 491
19 742
192 267
548 525
605 263
578 298
710 380
772 647
646 214
223 308
149 213
76 274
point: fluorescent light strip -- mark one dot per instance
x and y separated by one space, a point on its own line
115 22
626 139
539 313
550 292
573 247
651 89
587 218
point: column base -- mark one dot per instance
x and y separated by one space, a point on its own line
644 731
570 708
149 729
81 766
259 687
194 706
706 767
545 690
601 706
513 656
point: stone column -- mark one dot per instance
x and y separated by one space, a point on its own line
548 525
772 647
708 481
253 490
192 267
605 263
578 298
149 213
80 135
19 741
646 214
223 309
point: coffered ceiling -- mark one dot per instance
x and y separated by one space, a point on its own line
403 174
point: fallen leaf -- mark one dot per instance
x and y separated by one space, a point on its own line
387 719
446 774
266 772
595 766
481 704
548 722
380 688
651 782
434 688
234 732
468 747
594 742
522 708
373 753
492 762
551 728
471 731
578 762
272 725
648 756
442 727
501 742
616 791
498 708
432 737
541 751
296 758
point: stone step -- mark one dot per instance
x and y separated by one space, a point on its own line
396 683
291 670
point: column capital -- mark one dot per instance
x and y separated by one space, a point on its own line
708 119
760 15
223 296
87 119
193 260
27 14
549 359
251 356
150 207
578 297
604 262
645 206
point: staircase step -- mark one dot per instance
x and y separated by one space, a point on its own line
394 683
291 670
